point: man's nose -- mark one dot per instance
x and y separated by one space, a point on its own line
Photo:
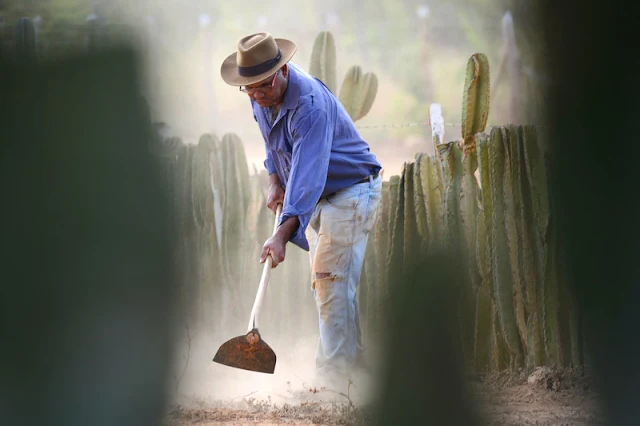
258 94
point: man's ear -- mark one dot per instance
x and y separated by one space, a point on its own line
285 70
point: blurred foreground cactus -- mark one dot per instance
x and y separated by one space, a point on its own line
358 90
25 40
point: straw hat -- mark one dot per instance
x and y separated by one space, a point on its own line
258 56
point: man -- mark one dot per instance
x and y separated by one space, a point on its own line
327 180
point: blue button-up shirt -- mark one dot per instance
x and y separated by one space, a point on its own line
313 146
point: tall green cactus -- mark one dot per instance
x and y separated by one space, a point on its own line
323 60
433 188
488 327
358 91
542 247
513 253
235 173
451 158
475 100
170 153
524 255
529 257
383 235
484 239
419 202
235 197
460 211
469 213
536 211
395 255
483 330
202 195
25 40
207 253
368 286
411 237
501 267
511 202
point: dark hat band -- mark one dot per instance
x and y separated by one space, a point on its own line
254 70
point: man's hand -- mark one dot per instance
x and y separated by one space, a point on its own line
274 247
275 195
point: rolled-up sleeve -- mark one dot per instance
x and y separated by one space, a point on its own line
268 164
311 150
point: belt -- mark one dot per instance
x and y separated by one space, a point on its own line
367 178
374 176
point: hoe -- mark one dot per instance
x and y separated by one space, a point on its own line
249 351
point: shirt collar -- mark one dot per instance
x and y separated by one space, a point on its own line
292 95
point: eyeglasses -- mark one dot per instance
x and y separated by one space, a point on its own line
262 88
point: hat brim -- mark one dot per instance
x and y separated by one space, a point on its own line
229 68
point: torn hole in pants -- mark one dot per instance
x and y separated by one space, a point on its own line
323 276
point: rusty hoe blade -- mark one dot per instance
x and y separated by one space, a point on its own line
247 352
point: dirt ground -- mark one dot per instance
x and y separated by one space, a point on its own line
546 397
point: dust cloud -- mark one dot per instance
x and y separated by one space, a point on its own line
288 323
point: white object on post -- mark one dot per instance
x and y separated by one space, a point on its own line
437 125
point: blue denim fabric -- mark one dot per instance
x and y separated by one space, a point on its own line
338 232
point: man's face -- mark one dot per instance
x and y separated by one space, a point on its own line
269 91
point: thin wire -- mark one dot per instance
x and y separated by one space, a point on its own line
398 125
393 126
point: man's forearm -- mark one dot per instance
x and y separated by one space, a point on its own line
274 179
287 228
